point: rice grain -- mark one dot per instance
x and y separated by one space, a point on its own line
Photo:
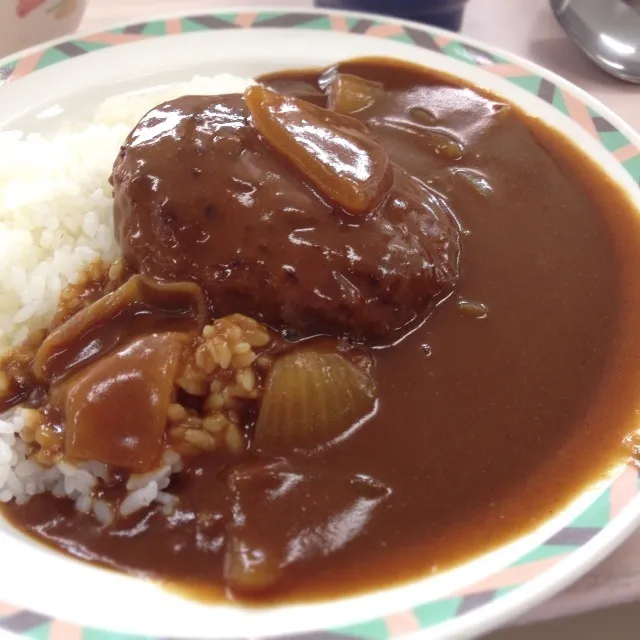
55 223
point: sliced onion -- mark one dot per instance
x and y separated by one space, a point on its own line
334 152
248 568
311 399
350 94
139 307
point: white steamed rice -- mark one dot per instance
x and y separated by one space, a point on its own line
55 219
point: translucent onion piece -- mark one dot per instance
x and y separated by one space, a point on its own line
262 547
436 140
473 309
474 179
116 408
349 94
138 307
423 115
311 398
333 151
247 567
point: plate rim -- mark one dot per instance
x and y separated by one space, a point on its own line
484 615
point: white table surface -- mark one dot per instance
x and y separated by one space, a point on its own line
525 27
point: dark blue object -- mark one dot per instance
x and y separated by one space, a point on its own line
440 13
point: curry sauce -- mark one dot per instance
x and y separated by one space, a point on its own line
508 392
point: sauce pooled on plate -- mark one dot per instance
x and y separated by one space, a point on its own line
387 323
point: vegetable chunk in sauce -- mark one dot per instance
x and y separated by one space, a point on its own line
478 284
116 408
333 152
138 307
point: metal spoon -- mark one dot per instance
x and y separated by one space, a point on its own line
608 31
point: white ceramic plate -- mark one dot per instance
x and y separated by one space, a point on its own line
46 595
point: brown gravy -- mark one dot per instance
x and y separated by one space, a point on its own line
485 426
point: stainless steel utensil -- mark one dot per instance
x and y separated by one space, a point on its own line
608 31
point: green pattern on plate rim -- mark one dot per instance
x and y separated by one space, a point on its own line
586 528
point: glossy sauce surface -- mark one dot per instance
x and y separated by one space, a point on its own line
485 426
203 193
